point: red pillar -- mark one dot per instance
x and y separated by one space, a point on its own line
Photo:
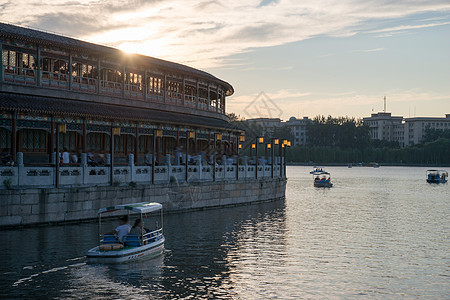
52 142
84 138
14 138
136 145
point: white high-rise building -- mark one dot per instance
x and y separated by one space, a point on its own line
384 126
405 131
415 127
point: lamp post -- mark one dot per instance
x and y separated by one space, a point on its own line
57 157
259 140
217 137
241 139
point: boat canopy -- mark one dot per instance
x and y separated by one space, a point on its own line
141 207
321 173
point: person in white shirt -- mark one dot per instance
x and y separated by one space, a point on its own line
122 230
65 156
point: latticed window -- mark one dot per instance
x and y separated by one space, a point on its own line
96 141
18 62
145 143
5 138
84 73
135 80
119 144
69 140
130 143
174 89
33 140
155 85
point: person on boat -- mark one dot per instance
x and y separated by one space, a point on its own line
123 229
138 229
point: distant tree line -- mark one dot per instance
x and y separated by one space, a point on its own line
346 140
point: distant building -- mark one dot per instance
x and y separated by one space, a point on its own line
298 129
405 131
415 127
268 125
296 126
384 126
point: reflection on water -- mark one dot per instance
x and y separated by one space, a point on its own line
379 233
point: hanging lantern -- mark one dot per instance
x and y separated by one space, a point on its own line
159 133
116 130
218 136
192 134
289 143
240 146
276 141
242 138
62 128
261 140
253 146
269 146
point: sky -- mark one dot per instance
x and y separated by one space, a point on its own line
298 58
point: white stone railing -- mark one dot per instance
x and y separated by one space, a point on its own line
21 176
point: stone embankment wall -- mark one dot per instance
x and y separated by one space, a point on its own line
41 206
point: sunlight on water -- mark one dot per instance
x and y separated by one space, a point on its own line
380 233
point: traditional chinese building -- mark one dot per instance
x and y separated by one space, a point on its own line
94 91
154 126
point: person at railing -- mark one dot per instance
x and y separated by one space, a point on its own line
65 156
123 229
100 158
260 161
91 160
148 157
74 157
6 158
138 229
178 155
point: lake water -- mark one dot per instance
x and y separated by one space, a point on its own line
379 233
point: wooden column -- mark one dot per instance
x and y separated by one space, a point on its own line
198 91
84 137
184 90
38 77
70 71
217 99
165 88
256 157
14 137
214 159
57 159
111 151
123 81
187 153
99 78
237 158
136 145
52 140
1 62
153 156
223 102
145 85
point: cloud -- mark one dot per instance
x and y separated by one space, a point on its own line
292 103
410 27
204 34
370 50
